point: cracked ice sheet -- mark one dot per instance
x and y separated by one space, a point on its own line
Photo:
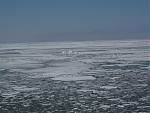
69 68
27 62
23 88
73 78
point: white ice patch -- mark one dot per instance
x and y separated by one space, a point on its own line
23 88
105 106
108 87
148 67
32 56
86 90
70 68
12 94
74 78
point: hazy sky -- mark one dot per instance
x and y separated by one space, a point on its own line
59 20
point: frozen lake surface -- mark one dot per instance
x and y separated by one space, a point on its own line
75 77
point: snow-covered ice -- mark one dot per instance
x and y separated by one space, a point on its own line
68 77
73 78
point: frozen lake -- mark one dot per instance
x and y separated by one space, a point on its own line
75 77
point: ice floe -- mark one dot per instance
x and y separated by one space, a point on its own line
74 78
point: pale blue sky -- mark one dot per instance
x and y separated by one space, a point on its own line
61 20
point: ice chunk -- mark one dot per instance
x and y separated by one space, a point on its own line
73 78
108 87
23 88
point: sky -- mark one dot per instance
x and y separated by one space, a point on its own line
73 20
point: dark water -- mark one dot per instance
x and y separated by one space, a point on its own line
75 77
